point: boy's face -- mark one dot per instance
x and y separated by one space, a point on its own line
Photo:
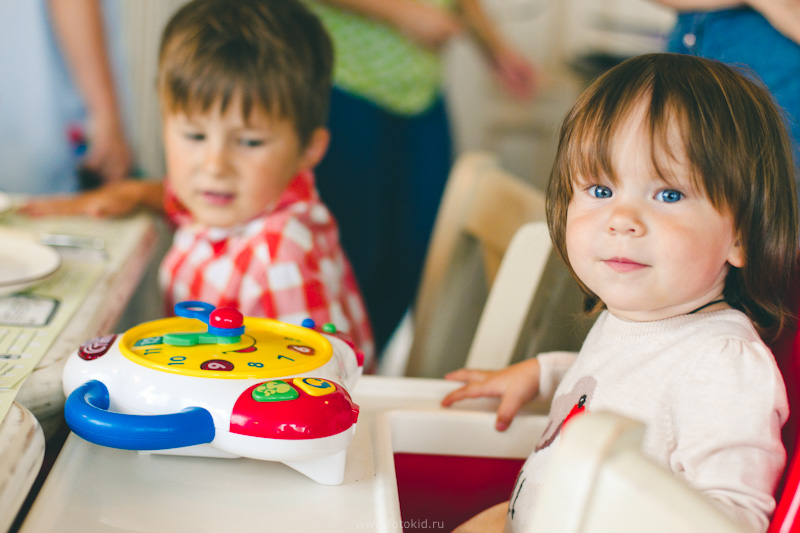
649 250
226 170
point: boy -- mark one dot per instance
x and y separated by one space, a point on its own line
244 89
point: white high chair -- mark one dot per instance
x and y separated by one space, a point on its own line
599 481
512 294
482 209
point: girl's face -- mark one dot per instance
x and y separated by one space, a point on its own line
649 250
226 170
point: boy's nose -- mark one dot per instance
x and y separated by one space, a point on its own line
626 220
215 159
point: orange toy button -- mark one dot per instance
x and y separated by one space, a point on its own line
315 386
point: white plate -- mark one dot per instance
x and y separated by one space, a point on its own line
6 203
24 262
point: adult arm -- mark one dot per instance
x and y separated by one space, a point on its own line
784 15
512 69
78 25
114 199
427 25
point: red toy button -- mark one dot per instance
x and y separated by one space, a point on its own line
305 417
95 348
225 318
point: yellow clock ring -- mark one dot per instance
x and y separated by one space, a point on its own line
267 349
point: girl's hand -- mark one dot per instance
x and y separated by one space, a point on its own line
111 200
514 385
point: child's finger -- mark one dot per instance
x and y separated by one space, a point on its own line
473 390
467 375
508 409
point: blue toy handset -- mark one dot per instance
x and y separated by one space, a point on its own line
86 409
86 412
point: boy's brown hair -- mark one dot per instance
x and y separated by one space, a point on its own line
736 143
274 54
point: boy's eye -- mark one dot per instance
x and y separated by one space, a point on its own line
251 143
599 191
669 196
194 136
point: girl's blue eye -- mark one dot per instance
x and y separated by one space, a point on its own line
599 191
669 196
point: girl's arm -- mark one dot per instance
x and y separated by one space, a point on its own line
78 25
514 385
427 25
784 15
111 200
512 69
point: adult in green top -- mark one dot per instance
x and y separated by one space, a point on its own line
390 151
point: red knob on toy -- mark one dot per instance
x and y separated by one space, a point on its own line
225 318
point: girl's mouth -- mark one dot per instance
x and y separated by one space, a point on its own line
623 264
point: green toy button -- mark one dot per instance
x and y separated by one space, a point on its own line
274 391
328 328
193 339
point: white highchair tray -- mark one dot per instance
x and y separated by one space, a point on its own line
94 488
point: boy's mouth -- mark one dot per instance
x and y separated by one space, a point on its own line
623 264
218 198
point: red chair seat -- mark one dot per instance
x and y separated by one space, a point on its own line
787 354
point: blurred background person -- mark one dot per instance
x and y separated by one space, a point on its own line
391 148
60 109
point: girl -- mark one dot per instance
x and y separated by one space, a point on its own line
672 202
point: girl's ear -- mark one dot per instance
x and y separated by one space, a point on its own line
736 254
315 149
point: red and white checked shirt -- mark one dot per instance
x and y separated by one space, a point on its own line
287 264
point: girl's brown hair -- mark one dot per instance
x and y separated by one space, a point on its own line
274 54
736 143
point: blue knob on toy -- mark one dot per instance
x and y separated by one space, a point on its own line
194 309
225 325
308 323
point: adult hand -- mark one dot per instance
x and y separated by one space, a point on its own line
515 73
109 154
514 385
784 15
111 200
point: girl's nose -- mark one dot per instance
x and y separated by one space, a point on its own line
626 220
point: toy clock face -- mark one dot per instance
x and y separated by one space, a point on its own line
266 349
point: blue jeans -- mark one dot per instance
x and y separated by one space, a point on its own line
383 178
742 37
